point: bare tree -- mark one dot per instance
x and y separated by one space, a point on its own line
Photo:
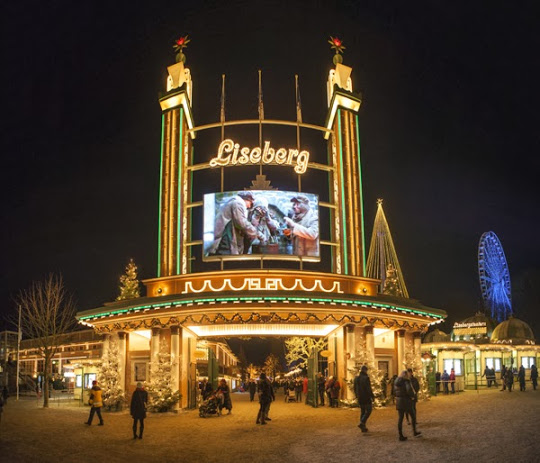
47 314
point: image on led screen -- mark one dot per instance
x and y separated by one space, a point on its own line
257 222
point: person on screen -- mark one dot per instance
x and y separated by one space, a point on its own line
232 226
259 216
304 226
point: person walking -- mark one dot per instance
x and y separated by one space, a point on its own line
445 378
320 386
223 389
521 378
334 392
509 379
534 376
298 387
487 374
96 403
266 395
137 409
415 387
404 394
453 380
503 377
305 388
252 389
364 395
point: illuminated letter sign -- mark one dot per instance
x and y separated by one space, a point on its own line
230 154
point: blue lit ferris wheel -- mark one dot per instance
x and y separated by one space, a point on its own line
494 277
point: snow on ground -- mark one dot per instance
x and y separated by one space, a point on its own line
472 426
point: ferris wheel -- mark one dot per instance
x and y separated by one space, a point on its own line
494 277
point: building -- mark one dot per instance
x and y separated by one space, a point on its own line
255 260
479 342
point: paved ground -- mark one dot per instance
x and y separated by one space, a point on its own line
485 426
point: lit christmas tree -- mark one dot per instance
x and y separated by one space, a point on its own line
299 349
160 387
376 376
391 284
109 378
129 284
382 263
413 362
271 366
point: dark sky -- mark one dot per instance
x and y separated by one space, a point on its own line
449 127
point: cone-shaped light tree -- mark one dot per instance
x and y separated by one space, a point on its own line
382 262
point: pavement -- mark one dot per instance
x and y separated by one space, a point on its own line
475 426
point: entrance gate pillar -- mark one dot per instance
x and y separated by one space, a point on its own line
370 343
351 358
400 350
122 348
175 357
106 343
184 367
154 343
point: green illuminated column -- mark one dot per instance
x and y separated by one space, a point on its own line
346 186
175 190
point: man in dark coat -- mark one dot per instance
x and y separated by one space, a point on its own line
416 387
503 377
365 396
139 399
521 377
534 376
252 389
320 387
509 379
404 394
266 395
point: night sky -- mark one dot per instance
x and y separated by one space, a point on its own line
449 128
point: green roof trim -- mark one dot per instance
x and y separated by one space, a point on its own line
324 300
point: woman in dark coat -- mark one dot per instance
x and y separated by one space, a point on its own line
404 395
139 399
224 390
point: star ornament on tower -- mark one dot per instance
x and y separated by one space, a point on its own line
337 44
179 45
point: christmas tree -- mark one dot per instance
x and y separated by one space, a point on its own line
163 396
391 284
376 376
109 377
382 262
129 285
414 362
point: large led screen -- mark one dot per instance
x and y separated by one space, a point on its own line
261 222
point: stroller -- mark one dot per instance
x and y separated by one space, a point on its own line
291 396
209 407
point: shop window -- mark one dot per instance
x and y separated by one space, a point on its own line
527 362
456 364
88 378
493 363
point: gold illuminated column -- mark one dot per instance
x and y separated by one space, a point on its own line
348 256
175 180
